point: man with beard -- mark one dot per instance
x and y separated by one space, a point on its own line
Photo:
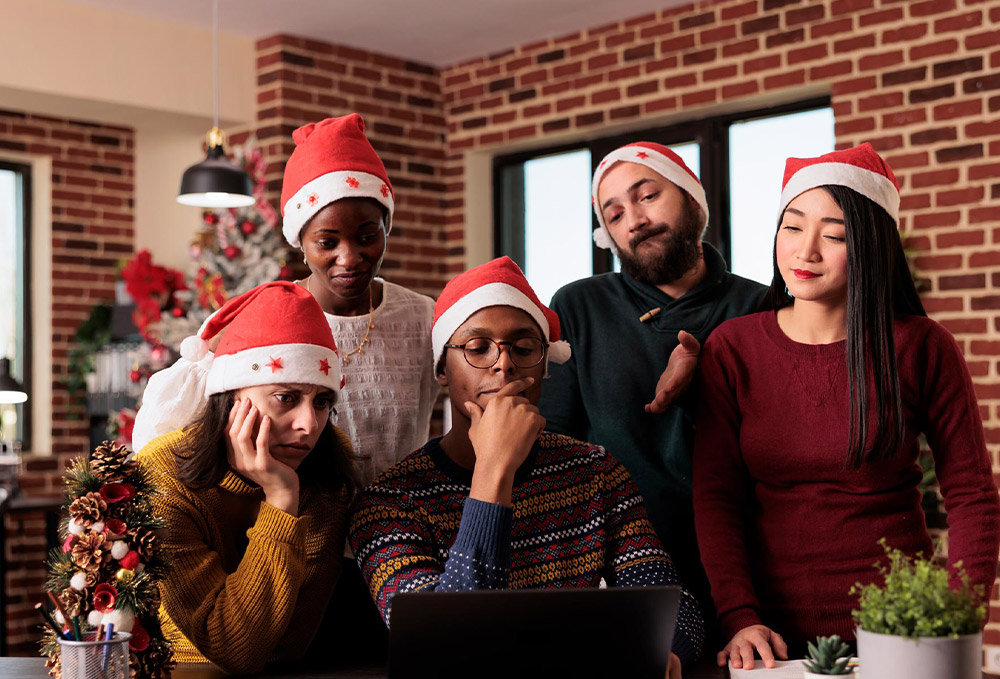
672 292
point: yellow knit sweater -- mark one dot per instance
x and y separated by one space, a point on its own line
243 591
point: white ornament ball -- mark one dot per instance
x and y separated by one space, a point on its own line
119 548
74 528
123 620
78 581
98 527
94 618
59 617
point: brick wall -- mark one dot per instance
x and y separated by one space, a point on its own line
92 228
302 81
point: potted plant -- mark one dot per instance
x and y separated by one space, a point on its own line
915 626
828 656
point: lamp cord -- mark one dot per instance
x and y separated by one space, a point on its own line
215 57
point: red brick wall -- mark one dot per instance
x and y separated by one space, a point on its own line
302 81
92 228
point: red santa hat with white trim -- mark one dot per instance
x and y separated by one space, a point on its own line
332 159
659 159
497 283
860 168
275 333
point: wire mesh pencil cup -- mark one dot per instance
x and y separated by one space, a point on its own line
96 659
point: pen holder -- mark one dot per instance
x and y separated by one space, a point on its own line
96 659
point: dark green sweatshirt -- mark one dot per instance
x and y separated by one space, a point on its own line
599 394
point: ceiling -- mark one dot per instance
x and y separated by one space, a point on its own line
435 32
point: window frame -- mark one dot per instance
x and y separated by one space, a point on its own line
710 133
23 360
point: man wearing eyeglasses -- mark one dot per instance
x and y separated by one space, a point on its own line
499 503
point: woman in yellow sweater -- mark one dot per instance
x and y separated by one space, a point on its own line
255 492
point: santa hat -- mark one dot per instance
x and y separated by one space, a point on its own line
496 283
659 159
276 332
859 168
333 159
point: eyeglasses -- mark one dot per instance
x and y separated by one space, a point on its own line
483 352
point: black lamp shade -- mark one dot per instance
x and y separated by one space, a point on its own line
216 183
10 390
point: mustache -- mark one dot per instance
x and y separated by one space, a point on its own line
648 233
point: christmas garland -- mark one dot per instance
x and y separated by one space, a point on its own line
106 571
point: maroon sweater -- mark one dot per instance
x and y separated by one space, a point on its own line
784 530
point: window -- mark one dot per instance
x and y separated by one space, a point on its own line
15 344
544 218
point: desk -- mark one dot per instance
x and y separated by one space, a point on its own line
34 668
24 505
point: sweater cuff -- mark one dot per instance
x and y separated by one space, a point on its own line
282 526
485 531
738 619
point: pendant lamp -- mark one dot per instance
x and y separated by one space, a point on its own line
215 182
10 390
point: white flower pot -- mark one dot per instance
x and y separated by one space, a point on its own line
884 656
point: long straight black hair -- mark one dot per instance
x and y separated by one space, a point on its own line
879 289
329 467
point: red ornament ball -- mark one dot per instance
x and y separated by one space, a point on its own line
211 218
248 227
232 252
285 273
177 311
135 376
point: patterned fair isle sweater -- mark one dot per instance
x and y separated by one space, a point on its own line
576 518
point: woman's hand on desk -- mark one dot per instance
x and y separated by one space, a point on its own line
674 667
739 650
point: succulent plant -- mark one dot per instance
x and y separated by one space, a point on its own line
829 655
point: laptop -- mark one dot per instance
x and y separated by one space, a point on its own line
613 632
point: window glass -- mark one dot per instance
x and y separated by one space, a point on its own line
557 221
757 152
9 269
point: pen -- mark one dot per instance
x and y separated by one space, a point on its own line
76 628
109 632
62 611
47 617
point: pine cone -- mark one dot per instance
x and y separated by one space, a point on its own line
154 663
90 549
53 664
111 462
73 601
88 509
145 542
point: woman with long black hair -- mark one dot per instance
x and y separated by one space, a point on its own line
255 491
810 416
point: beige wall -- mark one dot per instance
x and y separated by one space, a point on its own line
118 68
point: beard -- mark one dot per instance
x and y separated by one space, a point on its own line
678 253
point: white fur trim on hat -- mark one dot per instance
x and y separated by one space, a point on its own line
278 363
659 163
327 188
872 185
491 294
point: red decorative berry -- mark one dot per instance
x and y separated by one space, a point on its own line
177 312
211 218
248 227
231 252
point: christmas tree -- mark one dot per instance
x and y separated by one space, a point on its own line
106 571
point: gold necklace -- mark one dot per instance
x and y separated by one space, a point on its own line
360 349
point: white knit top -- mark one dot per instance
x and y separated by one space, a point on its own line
389 391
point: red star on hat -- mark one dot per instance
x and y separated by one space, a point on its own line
324 366
642 154
312 199
275 364
352 182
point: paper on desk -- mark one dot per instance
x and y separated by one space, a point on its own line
783 669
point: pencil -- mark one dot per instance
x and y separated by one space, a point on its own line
59 607
47 617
